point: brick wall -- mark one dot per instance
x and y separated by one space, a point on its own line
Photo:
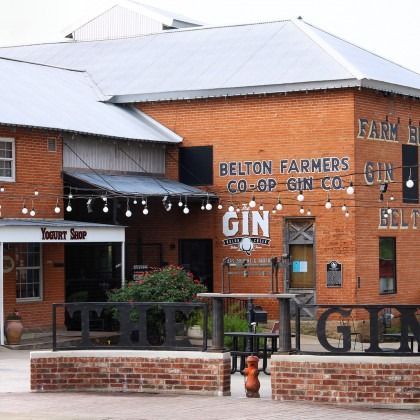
373 381
36 169
131 371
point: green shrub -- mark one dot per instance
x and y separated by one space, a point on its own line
168 284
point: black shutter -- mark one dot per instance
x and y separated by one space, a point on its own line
196 165
410 163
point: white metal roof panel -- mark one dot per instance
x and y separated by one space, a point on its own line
40 96
231 60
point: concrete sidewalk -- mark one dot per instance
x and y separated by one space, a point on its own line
17 402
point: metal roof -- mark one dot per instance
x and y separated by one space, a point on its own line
137 185
229 60
34 95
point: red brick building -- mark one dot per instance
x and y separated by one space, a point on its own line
309 143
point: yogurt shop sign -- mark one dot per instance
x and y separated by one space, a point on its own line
247 231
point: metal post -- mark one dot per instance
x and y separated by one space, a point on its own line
285 339
122 264
1 297
218 327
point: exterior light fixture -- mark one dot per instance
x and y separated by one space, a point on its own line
347 213
219 206
69 208
301 210
202 205
208 206
344 207
410 182
105 208
328 204
143 201
32 213
279 206
231 208
309 213
128 212
180 204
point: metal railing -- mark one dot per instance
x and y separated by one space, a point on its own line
129 325
376 318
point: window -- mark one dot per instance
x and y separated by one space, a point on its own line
28 271
387 265
7 159
196 165
410 162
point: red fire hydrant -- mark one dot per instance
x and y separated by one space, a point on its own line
252 384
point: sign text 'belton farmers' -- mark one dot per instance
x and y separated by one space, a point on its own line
298 171
63 235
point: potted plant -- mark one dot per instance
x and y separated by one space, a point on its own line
13 328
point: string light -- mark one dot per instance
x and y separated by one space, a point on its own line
144 201
128 212
168 205
145 209
410 182
328 204
134 201
309 213
350 188
202 205
300 196
208 204
347 213
105 208
231 208
24 208
252 203
36 193
89 205
301 210
180 204
279 205
274 211
389 210
32 213
57 208
69 208
261 207
392 198
344 207
219 206
2 189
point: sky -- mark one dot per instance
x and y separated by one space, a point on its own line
388 28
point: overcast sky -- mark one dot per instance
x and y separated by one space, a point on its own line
388 28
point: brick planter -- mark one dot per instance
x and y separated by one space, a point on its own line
131 371
370 381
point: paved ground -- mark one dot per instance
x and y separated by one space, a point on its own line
16 402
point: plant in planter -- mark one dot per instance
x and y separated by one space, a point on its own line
167 284
13 328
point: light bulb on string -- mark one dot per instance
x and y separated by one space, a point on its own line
186 210
180 204
219 206
105 208
2 189
32 212
300 196
238 210
301 210
143 201
261 207
409 183
344 207
128 212
70 196
57 208
135 201
145 210
386 216
69 208
36 193
274 211
231 208
202 205
350 188
392 198
328 204
252 203
24 208
309 213
208 206
168 206
279 205
347 213
389 210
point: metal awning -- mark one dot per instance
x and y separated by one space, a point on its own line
138 185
